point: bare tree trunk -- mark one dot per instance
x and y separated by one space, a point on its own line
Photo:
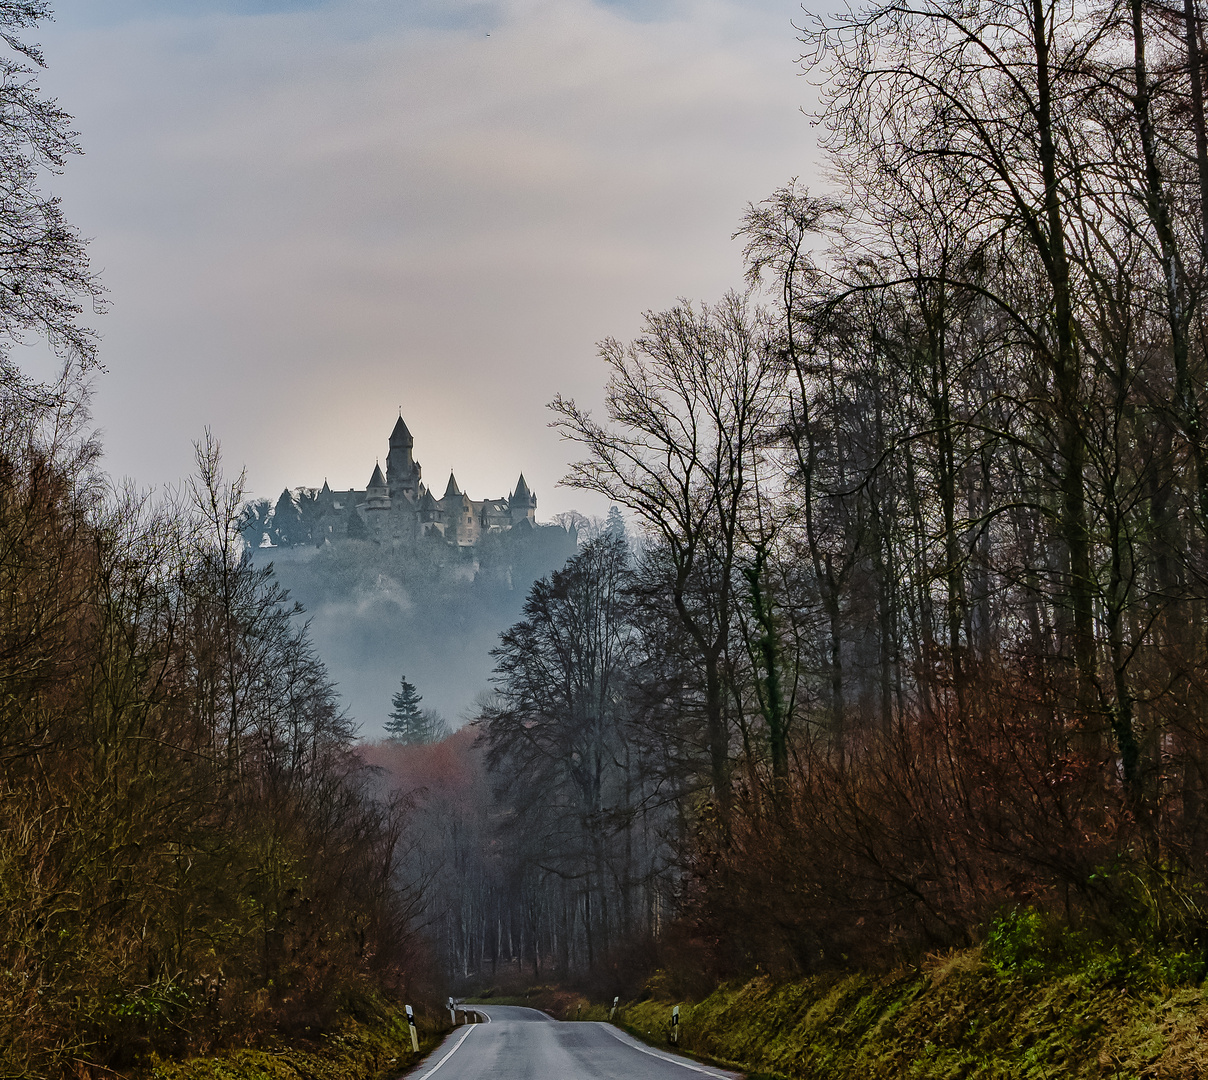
1196 73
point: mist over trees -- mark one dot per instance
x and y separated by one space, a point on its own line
916 630
424 607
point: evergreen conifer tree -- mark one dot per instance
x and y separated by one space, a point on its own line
254 522
407 723
615 525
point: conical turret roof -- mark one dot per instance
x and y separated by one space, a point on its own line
522 493
400 436
451 488
377 480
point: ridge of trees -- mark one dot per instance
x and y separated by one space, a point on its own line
918 628
430 609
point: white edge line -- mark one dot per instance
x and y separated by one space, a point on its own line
465 1035
635 1045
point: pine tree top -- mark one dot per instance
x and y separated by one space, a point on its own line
406 721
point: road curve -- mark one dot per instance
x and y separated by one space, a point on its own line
524 1044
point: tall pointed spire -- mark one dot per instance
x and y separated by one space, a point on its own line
522 506
452 488
401 436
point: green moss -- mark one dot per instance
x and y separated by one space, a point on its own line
1030 1005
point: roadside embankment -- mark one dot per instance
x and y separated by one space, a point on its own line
958 1015
360 1050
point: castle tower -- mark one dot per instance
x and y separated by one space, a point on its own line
377 487
522 504
397 507
327 523
460 525
402 470
375 510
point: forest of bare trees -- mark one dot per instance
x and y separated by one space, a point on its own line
915 629
191 853
908 628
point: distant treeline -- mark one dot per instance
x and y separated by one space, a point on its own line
920 628
290 522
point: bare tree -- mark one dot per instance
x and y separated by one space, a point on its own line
690 404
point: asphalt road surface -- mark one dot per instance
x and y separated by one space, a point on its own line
524 1044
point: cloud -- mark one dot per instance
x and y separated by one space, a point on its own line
308 214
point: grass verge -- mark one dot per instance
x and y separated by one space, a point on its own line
366 1050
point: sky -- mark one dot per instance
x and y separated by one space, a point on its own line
310 213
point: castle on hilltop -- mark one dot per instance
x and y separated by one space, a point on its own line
399 507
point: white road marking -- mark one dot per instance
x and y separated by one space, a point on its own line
457 1046
662 1057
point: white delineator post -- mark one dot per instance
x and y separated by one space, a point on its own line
675 1025
452 1013
613 1011
414 1033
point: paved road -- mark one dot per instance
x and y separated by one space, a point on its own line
524 1044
